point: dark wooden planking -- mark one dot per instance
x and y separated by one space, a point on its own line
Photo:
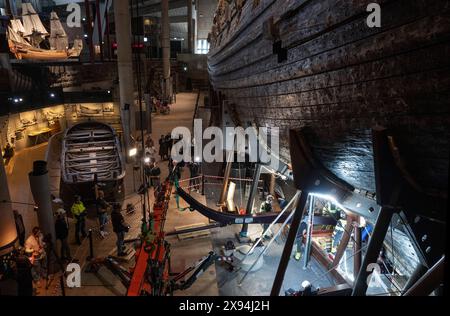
343 78
360 48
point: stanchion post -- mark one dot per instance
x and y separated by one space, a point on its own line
91 246
203 184
63 288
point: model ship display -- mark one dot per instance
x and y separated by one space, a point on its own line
26 36
91 154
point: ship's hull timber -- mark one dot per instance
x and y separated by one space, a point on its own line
92 155
340 78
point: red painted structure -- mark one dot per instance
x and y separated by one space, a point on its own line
150 275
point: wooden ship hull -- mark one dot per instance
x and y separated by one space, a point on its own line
91 154
317 66
25 52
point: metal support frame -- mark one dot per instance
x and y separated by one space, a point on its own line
309 233
284 261
357 255
418 272
396 192
373 250
87 5
310 176
99 28
251 198
429 281
226 179
274 237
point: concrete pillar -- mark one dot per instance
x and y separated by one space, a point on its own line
99 28
165 43
189 21
8 233
40 188
125 69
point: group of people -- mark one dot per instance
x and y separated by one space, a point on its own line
103 208
161 107
31 258
8 153
165 146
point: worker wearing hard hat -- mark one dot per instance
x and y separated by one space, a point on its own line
266 207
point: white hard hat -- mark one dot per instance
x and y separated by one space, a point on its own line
306 284
60 212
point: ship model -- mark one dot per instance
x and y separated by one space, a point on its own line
317 70
26 36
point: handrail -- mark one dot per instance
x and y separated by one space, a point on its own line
229 218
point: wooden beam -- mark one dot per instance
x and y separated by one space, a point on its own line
344 241
325 261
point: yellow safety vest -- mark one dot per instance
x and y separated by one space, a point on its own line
78 208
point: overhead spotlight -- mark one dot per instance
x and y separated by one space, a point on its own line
132 152
16 100
85 36
52 95
362 221
306 284
145 39
147 160
109 91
